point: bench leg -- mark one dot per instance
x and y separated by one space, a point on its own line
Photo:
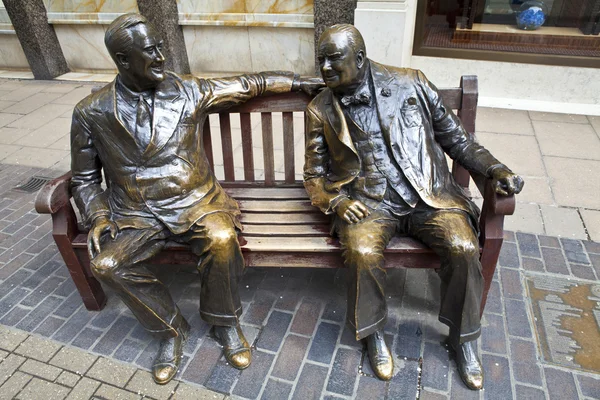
492 236
64 225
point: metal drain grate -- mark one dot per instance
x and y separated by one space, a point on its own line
34 184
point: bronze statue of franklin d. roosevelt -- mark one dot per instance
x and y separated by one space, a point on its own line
144 131
375 145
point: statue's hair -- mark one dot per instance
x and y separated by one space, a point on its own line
118 37
355 39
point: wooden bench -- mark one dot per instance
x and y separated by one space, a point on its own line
281 228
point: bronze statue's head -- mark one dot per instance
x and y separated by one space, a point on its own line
136 48
342 57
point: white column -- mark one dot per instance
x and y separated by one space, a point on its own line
388 27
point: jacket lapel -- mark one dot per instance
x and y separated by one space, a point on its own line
387 92
168 106
116 125
337 120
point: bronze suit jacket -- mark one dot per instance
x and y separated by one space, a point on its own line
169 181
417 128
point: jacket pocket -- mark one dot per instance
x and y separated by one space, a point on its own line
412 116
371 187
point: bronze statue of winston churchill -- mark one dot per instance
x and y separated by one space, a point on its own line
144 132
375 144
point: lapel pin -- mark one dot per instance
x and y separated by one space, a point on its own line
386 92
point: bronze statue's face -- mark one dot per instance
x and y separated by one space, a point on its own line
144 63
340 65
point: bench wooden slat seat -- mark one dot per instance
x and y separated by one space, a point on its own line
281 228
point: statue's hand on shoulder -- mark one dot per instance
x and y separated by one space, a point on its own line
100 225
311 86
351 211
506 182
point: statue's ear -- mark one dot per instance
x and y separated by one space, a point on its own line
360 59
122 60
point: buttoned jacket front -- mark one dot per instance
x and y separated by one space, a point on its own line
170 180
417 128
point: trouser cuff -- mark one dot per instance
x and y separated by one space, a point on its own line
368 330
456 336
221 319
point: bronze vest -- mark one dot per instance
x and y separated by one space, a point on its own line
379 171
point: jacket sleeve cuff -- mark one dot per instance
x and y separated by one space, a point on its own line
333 203
490 171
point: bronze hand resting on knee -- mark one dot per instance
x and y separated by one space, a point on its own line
144 132
375 144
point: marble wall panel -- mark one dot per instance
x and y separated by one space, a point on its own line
232 50
92 6
4 18
217 49
247 6
83 47
11 53
289 49
273 13
87 11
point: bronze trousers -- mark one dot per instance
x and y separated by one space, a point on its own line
213 239
449 233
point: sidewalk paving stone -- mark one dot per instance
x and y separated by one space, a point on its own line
37 348
111 372
73 360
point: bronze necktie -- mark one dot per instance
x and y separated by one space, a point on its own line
143 123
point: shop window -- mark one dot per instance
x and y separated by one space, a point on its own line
559 32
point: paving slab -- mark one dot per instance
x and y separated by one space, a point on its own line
39 117
73 359
575 183
595 121
6 118
555 117
32 103
500 120
108 371
521 153
527 218
36 157
10 339
591 220
567 140
558 220
536 190
46 134
37 348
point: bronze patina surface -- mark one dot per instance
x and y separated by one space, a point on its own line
375 145
567 321
143 132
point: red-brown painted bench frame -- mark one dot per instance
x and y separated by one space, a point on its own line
281 228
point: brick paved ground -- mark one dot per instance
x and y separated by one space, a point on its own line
293 317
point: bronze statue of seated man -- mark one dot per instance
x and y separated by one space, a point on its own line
375 144
144 132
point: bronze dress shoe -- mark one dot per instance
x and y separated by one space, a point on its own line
469 365
235 345
169 355
380 356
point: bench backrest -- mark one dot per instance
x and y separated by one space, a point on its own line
234 150
235 166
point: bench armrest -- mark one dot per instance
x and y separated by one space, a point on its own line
54 195
492 201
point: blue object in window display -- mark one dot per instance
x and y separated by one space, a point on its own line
531 15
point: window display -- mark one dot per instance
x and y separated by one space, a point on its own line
562 32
